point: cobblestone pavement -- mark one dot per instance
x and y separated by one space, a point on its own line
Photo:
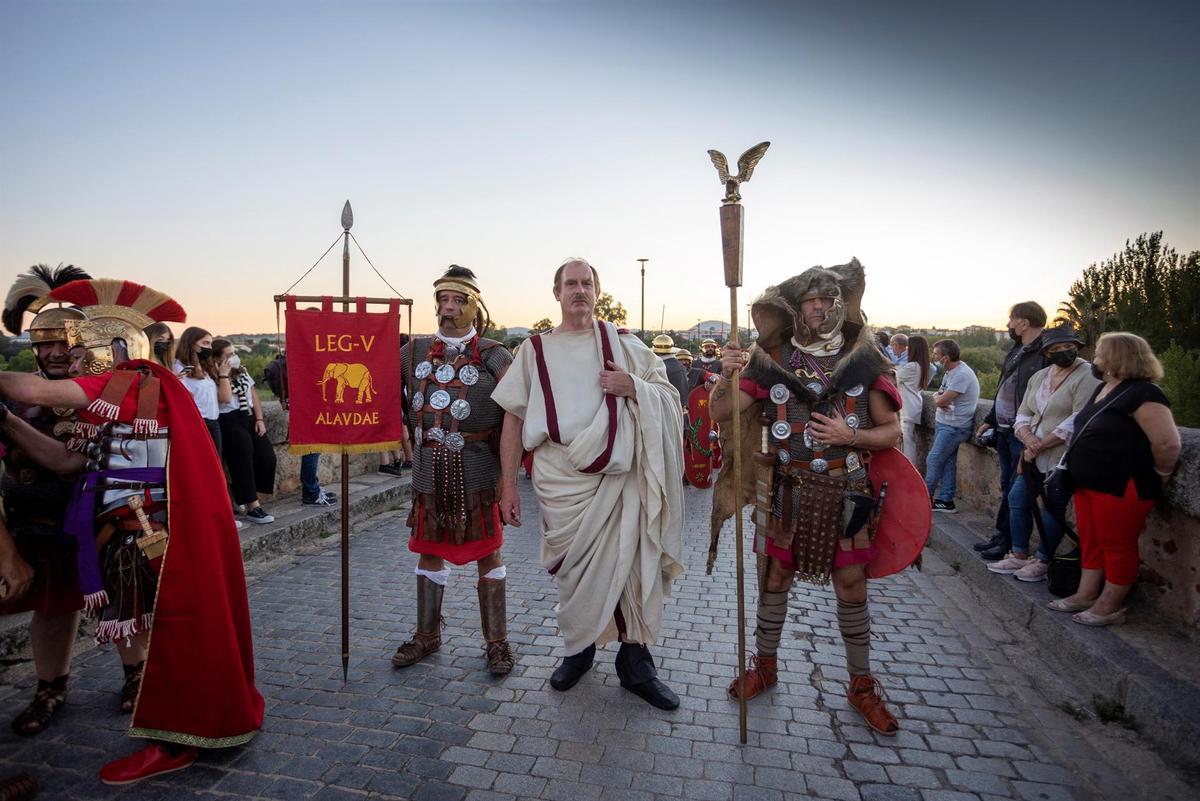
972 726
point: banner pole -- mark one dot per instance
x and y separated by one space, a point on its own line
347 222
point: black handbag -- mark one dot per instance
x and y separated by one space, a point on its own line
1064 568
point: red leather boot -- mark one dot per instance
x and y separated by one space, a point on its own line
153 760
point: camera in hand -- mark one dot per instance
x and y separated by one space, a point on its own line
987 439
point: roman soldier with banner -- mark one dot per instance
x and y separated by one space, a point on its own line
35 502
827 468
456 425
154 554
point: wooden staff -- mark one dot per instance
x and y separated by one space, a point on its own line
732 217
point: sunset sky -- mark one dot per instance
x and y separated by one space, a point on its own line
970 154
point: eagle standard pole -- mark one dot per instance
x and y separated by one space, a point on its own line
347 222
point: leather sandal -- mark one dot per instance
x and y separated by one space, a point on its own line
36 717
1065 605
866 696
763 673
132 685
1089 618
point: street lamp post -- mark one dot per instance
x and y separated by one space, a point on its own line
642 330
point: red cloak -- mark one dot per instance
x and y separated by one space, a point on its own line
198 685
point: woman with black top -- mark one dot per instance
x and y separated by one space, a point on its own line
244 442
1123 451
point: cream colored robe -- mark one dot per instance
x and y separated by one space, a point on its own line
615 535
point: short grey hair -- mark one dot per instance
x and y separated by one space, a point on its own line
577 260
901 339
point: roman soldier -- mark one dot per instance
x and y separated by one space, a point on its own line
35 501
828 404
664 346
709 363
154 555
455 423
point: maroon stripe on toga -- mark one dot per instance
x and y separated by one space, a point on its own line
547 392
610 401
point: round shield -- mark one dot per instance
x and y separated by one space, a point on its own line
455 441
852 462
423 370
460 409
444 374
779 394
469 375
852 420
818 465
784 457
440 399
436 435
816 387
418 400
855 390
905 517
781 429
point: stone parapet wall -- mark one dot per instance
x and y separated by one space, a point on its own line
1170 545
287 470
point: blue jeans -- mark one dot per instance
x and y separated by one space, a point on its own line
1008 451
1022 506
308 476
941 465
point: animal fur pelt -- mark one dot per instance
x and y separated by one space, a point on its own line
727 500
36 283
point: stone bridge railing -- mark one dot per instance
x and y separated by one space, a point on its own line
1170 545
287 470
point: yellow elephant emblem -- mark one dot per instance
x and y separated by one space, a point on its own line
353 375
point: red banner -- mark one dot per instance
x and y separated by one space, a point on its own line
343 379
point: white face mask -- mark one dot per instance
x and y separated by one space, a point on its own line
234 361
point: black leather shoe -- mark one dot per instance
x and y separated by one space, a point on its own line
995 553
655 693
568 674
992 543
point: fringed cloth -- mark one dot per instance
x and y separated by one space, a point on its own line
130 581
458 538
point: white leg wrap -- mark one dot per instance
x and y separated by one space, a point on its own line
497 573
438 577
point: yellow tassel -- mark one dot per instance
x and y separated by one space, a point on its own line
370 447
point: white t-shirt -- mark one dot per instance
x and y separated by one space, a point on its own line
204 392
961 411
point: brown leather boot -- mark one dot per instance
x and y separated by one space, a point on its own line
428 637
494 616
867 697
763 673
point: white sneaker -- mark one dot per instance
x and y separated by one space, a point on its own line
1036 570
1009 564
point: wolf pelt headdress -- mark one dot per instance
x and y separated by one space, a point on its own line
776 315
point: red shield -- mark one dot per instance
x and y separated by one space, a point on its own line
906 516
699 439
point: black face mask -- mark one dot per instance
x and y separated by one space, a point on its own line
1063 358
205 354
161 349
1096 371
1013 335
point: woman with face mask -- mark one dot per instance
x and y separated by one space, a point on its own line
1125 449
162 340
1044 424
206 376
247 450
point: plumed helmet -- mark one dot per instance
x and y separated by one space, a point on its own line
50 324
663 345
474 311
777 316
114 312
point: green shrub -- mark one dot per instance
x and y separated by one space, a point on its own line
984 359
988 382
1182 384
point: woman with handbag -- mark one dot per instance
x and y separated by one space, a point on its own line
1044 424
1126 447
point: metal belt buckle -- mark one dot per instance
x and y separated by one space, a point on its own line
852 462
444 374
781 429
440 399
818 465
460 409
423 370
455 441
469 375
779 394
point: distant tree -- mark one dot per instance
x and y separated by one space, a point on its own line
22 362
496 331
607 308
541 326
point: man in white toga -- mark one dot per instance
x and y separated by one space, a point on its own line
595 407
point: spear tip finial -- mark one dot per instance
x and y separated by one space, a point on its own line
347 216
